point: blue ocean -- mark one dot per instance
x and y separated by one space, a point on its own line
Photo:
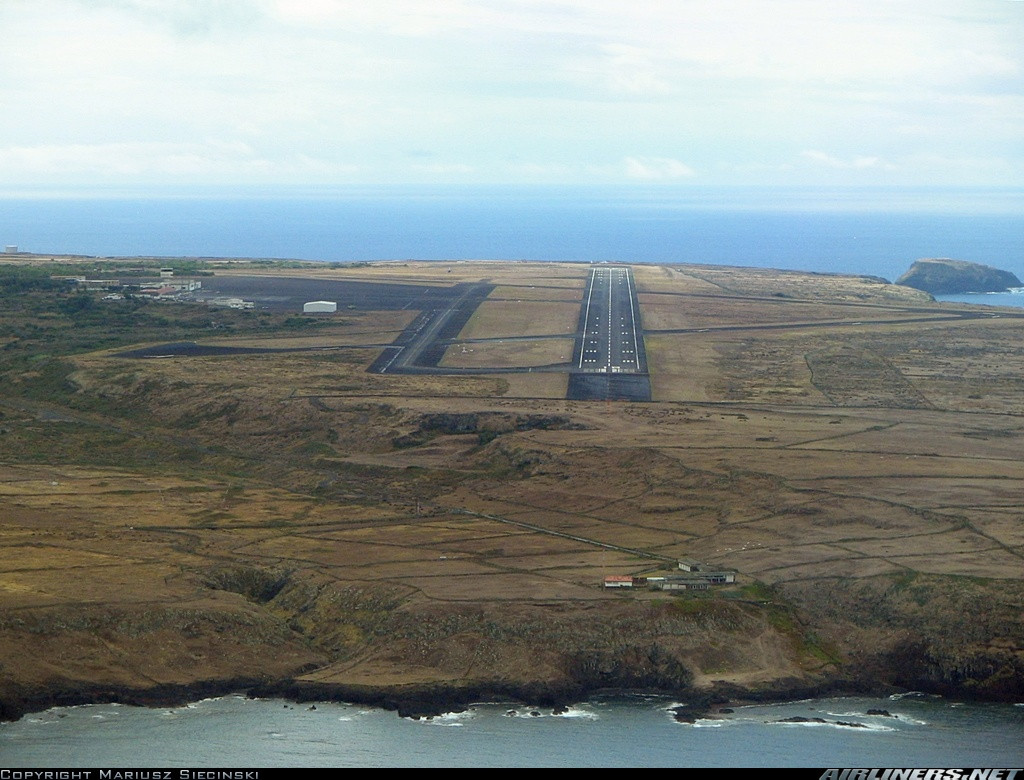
916 731
878 232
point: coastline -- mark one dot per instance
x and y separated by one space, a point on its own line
604 730
424 701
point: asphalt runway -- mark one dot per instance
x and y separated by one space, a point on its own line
609 387
609 362
609 323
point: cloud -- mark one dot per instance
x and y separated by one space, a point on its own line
633 70
657 168
406 18
856 163
232 160
571 86
188 18
444 168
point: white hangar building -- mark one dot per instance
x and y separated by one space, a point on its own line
319 307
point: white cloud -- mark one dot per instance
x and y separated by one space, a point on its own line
656 168
855 163
406 18
567 85
443 168
188 18
632 69
133 160
532 171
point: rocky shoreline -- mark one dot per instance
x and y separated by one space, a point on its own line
419 662
418 702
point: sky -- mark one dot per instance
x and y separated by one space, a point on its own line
100 93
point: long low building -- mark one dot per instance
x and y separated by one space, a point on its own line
680 583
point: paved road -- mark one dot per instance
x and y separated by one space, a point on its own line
610 342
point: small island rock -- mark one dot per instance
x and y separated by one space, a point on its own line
940 276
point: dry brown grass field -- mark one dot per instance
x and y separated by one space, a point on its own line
852 450
526 352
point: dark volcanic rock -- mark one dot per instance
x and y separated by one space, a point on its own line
684 715
946 277
801 719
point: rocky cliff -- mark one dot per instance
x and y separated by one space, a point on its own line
317 640
949 277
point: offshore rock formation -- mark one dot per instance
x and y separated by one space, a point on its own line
949 277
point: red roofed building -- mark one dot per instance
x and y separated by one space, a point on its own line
618 581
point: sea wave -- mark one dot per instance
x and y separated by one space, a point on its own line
536 713
578 712
894 716
912 695
447 718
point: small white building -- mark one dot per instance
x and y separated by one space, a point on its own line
11 249
319 307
